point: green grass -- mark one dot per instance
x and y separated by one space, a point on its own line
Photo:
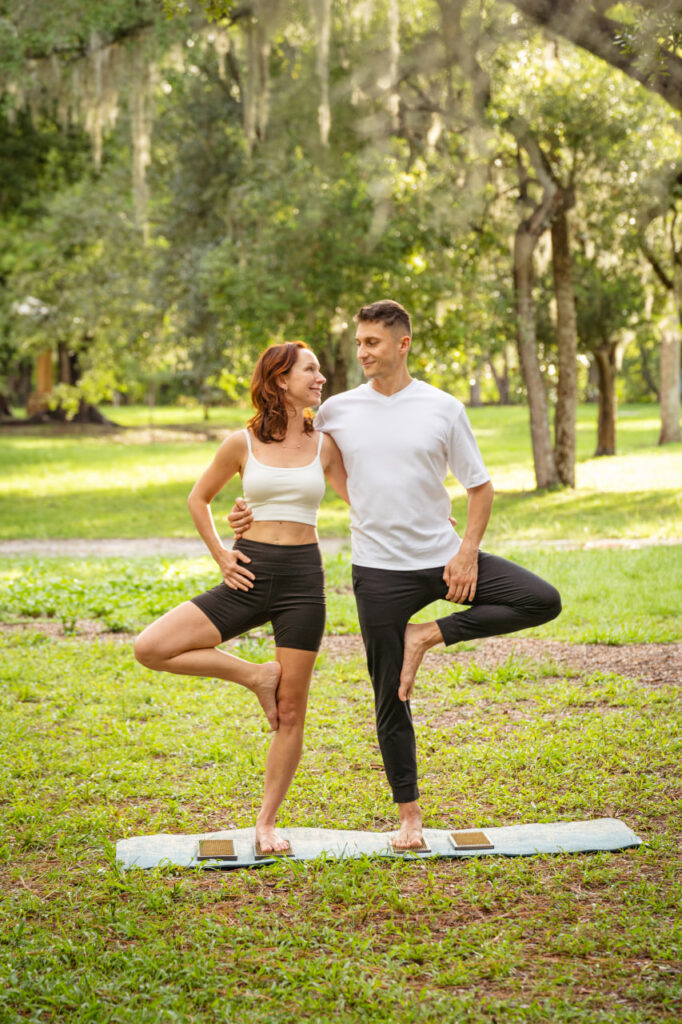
93 747
135 483
603 596
218 417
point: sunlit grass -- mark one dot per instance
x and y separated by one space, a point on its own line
162 415
132 484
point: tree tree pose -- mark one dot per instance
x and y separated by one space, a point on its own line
283 462
397 437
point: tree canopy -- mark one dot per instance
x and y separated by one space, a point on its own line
182 189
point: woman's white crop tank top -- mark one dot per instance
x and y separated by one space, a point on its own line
289 494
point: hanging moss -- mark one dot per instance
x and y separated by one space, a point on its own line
321 12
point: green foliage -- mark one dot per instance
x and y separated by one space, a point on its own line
603 602
273 234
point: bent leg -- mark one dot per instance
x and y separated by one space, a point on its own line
184 641
508 597
286 746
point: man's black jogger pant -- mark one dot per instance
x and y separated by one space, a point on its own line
507 598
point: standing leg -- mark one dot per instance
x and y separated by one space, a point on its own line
508 597
184 641
286 746
386 599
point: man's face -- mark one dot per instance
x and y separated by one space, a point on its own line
381 350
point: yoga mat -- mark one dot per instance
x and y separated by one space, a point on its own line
309 843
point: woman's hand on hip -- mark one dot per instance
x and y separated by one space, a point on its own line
235 575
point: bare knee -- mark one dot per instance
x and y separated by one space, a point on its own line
291 714
146 651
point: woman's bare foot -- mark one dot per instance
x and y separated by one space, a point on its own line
409 836
418 639
265 688
269 841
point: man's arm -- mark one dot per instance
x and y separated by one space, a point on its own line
241 517
461 572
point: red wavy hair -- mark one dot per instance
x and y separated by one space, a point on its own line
267 397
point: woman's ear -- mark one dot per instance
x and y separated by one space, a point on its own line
281 383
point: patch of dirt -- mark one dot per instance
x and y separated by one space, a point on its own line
648 663
84 629
653 664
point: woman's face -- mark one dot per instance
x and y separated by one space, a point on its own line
303 383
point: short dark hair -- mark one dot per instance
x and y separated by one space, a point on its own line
386 312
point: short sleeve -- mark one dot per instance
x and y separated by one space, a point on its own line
464 457
325 415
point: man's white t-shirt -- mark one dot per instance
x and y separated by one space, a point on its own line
397 450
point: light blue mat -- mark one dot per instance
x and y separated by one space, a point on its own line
309 843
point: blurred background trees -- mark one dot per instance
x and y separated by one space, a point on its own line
181 185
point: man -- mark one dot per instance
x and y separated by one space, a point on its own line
398 436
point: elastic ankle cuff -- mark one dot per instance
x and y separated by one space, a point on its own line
447 628
405 794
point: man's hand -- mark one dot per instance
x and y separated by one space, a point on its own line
240 518
461 575
236 576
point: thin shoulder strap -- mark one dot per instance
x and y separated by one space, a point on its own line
319 443
248 438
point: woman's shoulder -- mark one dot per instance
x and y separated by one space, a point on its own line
237 443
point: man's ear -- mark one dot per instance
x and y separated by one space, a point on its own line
404 343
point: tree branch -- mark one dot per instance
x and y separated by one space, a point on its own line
622 45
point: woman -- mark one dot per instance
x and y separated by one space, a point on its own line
273 572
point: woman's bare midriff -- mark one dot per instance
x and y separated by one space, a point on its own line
270 532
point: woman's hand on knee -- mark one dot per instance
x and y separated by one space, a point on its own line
235 575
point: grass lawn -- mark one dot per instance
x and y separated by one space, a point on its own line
134 483
602 592
93 747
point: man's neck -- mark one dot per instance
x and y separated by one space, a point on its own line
392 385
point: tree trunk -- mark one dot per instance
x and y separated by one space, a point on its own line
5 408
605 359
543 456
475 387
647 375
37 401
19 382
68 367
68 373
670 367
334 360
501 379
567 345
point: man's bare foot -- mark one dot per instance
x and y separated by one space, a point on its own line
269 841
419 637
409 836
265 689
